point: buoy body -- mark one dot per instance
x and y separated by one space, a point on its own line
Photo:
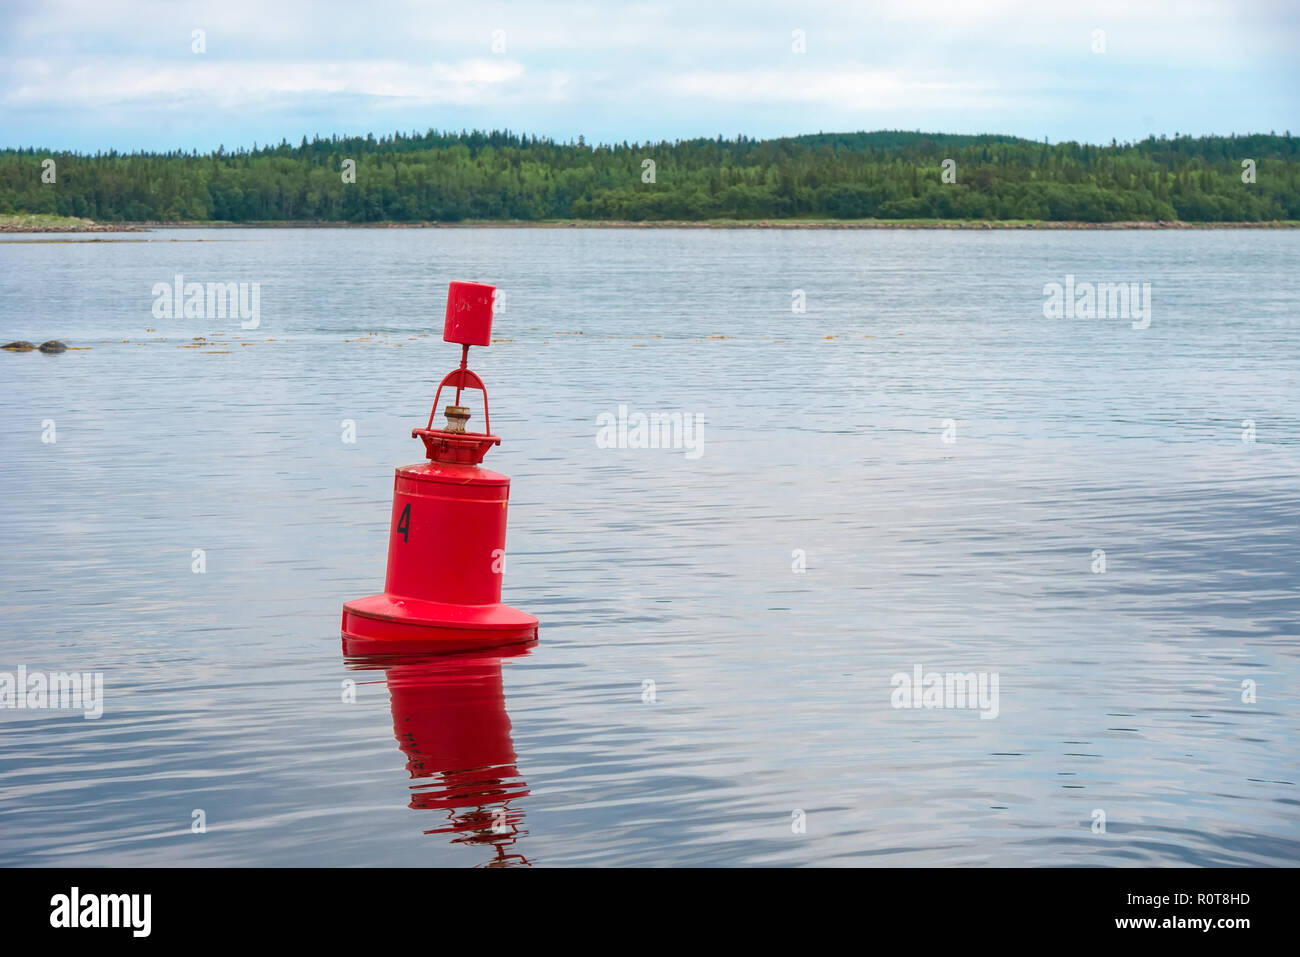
446 556
446 539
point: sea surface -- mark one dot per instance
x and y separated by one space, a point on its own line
903 465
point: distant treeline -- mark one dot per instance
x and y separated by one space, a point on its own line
496 176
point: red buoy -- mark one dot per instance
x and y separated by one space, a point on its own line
447 537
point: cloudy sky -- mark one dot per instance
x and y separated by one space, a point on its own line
99 74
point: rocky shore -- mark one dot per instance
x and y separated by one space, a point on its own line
10 224
34 223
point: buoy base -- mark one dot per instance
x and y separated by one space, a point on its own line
392 625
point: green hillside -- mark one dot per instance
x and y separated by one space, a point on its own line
453 177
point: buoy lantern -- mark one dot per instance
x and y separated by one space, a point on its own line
447 537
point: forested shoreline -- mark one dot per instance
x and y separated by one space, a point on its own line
454 177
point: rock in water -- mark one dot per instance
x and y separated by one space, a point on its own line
53 346
18 346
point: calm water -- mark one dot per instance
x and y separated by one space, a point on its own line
1120 691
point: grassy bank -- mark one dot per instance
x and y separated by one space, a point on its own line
33 223
48 223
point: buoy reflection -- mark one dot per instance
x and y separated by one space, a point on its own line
450 720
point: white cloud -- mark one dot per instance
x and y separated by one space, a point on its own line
231 83
95 72
851 89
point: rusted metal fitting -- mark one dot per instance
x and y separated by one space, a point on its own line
457 416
